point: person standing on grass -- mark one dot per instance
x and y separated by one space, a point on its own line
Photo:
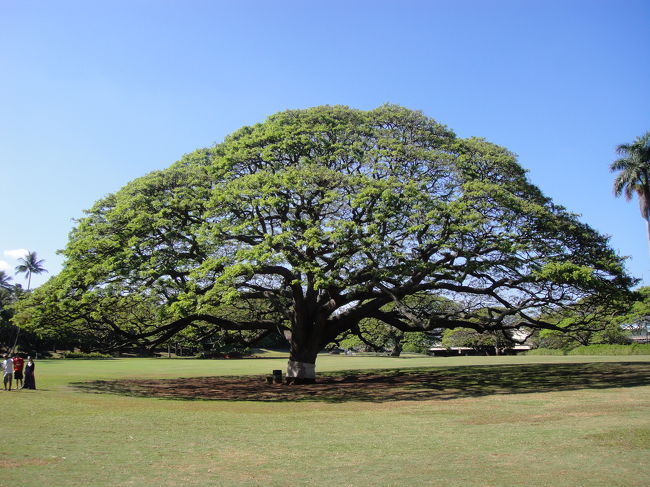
8 371
30 382
19 363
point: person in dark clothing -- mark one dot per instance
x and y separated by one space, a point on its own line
30 382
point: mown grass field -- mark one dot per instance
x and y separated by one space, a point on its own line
477 421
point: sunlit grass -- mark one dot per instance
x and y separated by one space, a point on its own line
586 435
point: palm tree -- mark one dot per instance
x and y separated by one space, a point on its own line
634 175
30 264
4 280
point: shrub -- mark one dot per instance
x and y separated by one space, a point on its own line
87 356
634 349
546 351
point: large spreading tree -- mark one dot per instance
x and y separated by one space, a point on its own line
317 219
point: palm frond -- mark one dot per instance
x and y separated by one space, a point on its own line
30 264
634 172
4 280
623 149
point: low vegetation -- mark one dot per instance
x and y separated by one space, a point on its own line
634 349
600 349
86 356
546 351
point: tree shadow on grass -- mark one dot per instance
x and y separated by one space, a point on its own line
420 384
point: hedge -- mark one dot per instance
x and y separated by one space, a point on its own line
82 355
634 349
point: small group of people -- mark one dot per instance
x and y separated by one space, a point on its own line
13 367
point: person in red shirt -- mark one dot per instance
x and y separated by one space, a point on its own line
19 364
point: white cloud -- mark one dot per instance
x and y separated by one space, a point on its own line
4 266
16 253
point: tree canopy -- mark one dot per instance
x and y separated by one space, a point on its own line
317 219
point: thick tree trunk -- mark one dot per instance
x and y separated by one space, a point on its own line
304 347
309 333
301 368
301 372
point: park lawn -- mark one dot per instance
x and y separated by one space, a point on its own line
61 436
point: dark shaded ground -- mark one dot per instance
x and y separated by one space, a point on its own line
392 385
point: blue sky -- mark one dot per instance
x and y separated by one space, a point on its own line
96 93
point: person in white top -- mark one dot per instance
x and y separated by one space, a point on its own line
8 371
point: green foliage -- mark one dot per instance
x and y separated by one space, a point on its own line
634 349
11 337
615 329
611 334
606 332
314 222
546 351
636 319
467 337
556 340
600 326
598 349
374 335
7 330
29 265
417 342
634 172
86 356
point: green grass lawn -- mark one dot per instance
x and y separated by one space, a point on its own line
484 424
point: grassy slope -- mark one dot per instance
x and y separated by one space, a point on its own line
59 436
